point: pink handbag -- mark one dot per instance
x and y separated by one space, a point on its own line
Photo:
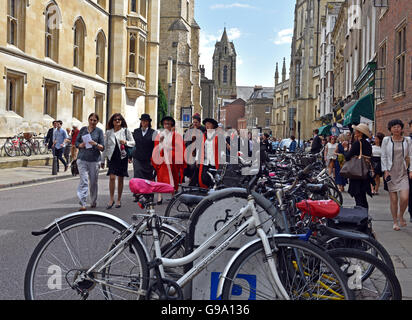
142 186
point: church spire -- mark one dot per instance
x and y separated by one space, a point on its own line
277 74
224 36
284 70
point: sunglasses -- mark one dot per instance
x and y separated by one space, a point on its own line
117 119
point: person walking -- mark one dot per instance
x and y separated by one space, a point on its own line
340 151
60 138
293 144
74 150
359 188
410 180
376 161
330 155
316 143
396 152
117 139
49 136
90 142
68 146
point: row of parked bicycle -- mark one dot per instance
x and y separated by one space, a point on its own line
25 144
279 233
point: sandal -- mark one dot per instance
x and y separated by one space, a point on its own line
396 227
403 224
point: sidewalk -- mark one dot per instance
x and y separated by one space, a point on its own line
397 243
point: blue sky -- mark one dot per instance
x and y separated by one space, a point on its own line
260 29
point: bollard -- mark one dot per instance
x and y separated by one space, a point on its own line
54 166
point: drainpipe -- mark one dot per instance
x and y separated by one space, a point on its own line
317 36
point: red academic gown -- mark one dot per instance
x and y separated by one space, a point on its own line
202 157
168 159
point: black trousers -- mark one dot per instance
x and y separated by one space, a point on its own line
361 201
59 154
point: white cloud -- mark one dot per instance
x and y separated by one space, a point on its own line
284 37
231 6
207 47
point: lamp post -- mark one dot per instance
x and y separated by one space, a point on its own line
169 82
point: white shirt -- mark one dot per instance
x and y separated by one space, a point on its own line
331 151
144 131
209 150
376 151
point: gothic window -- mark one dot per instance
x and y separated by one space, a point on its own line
99 104
78 94
15 92
100 53
142 56
132 52
297 80
79 40
16 14
50 98
225 70
52 32
133 6
400 60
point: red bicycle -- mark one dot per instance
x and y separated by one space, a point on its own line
16 145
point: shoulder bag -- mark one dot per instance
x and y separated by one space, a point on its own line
356 168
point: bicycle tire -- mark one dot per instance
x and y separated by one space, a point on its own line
334 194
134 277
9 149
313 285
176 208
35 145
25 149
382 277
370 244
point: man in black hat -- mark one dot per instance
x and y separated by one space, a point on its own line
142 154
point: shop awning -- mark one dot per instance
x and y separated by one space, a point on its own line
364 107
325 130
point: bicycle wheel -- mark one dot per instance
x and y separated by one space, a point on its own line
306 272
369 245
58 265
10 149
42 147
381 284
25 149
35 146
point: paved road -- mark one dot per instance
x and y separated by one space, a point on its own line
28 208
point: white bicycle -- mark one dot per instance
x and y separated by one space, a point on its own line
93 255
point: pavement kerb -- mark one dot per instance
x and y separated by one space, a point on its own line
39 180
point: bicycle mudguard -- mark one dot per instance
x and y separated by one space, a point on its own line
84 214
343 233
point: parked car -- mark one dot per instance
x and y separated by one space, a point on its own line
286 143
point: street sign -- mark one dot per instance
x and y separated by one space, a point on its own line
186 116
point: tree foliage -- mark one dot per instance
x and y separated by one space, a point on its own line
161 105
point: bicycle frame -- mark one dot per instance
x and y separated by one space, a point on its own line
252 222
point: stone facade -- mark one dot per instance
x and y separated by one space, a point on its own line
394 60
224 68
280 123
209 98
48 75
304 68
258 111
179 40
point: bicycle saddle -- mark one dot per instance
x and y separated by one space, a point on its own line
142 186
319 208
